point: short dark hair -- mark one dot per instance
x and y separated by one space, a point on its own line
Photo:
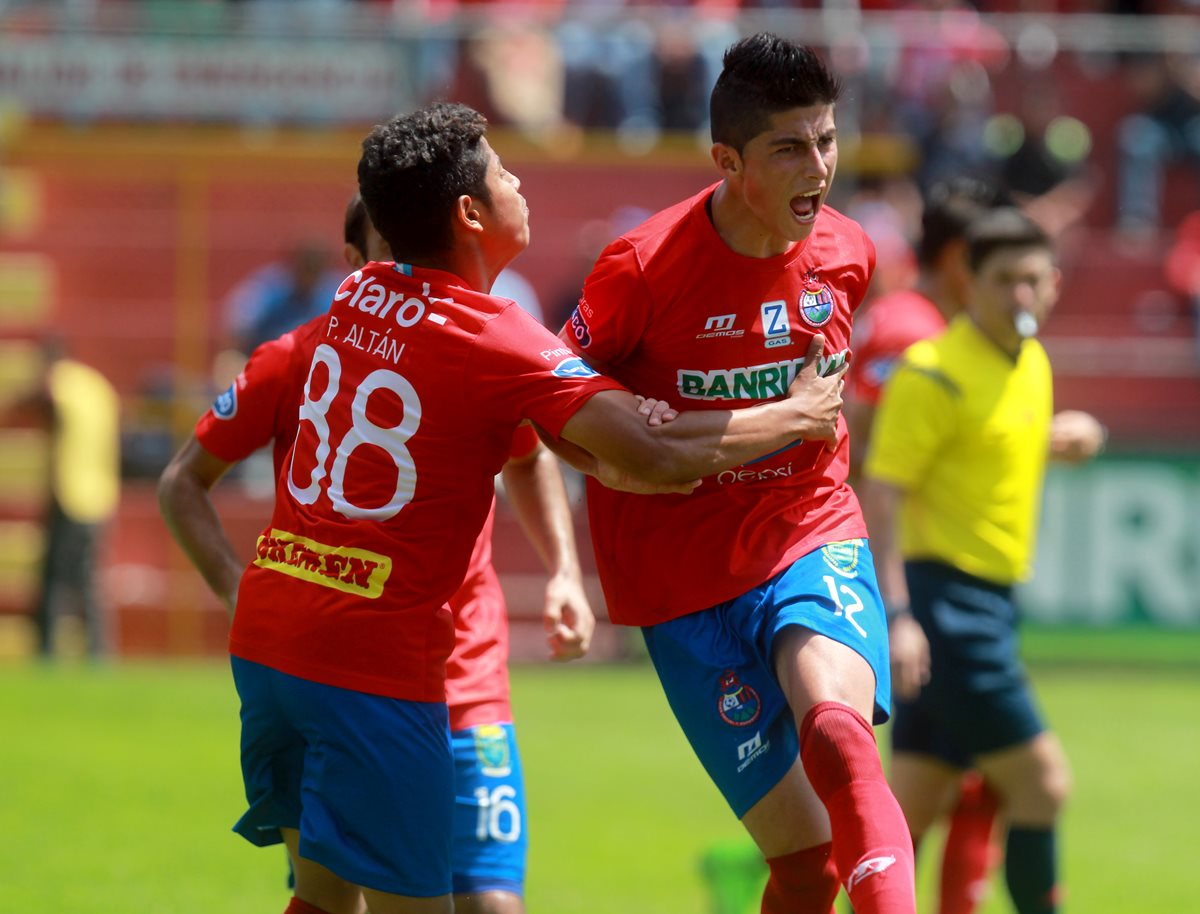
414 168
950 208
1002 228
354 228
763 75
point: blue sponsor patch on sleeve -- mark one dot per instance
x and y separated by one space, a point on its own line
225 406
574 367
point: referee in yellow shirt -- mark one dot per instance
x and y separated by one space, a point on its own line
953 481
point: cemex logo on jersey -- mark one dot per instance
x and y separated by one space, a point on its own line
738 704
225 406
754 382
720 326
574 367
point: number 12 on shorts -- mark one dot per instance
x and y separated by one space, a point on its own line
847 610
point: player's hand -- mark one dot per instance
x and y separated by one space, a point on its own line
819 399
657 412
567 618
1076 436
910 656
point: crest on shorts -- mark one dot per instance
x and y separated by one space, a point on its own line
816 304
843 557
491 747
738 704
225 406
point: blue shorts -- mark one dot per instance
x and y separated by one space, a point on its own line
368 781
490 841
716 670
978 698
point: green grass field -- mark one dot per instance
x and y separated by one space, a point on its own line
122 783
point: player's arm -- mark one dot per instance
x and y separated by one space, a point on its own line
701 442
535 488
183 499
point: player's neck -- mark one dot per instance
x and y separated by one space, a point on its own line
740 229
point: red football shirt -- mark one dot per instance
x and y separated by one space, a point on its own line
889 326
261 407
416 386
671 312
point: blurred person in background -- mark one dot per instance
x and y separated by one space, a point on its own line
770 641
280 296
952 489
262 407
81 415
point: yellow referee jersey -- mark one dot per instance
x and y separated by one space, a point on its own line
964 430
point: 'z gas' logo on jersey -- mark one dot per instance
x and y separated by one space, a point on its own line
816 304
738 704
225 406
574 367
580 329
776 329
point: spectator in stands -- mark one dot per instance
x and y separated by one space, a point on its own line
80 412
1164 128
280 296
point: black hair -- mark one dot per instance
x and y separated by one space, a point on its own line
1002 228
354 228
950 208
414 168
763 75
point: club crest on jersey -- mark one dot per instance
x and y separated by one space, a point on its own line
738 704
491 747
225 406
574 367
816 304
843 557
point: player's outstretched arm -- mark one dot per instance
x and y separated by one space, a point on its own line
535 487
700 443
1076 436
183 499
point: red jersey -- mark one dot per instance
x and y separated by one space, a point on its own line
889 326
673 313
409 406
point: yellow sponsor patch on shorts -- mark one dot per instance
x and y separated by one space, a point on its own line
357 571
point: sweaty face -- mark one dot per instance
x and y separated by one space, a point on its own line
1011 282
506 215
787 171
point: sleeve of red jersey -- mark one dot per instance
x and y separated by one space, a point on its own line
242 419
610 319
520 370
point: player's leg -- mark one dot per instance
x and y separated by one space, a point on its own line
364 782
831 657
925 787
490 838
734 714
1033 781
970 852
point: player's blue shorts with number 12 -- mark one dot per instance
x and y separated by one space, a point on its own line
715 665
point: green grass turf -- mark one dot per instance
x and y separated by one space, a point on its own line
122 783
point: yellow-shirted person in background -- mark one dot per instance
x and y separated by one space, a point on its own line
953 487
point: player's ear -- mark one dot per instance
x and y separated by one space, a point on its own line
468 213
353 256
727 160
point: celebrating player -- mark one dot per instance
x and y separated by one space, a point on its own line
418 381
770 641
490 839
953 481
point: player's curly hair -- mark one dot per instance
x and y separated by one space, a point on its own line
763 75
414 168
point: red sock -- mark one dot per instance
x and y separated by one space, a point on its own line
296 906
807 877
871 842
969 855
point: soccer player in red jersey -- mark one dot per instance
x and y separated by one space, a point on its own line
418 381
260 407
770 640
